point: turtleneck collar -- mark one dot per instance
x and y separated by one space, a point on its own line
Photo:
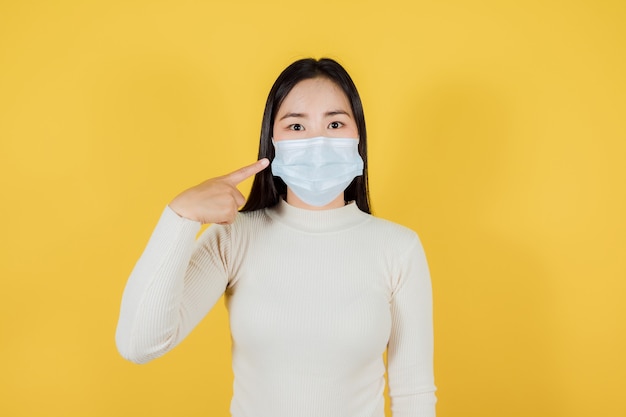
317 221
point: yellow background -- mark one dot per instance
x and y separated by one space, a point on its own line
497 131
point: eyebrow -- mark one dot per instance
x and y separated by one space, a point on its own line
303 115
299 115
336 112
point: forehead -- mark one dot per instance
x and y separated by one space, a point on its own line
313 93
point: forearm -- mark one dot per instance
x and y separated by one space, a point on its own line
151 314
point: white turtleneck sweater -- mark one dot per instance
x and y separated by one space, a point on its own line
314 299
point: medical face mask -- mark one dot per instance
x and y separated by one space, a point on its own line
317 170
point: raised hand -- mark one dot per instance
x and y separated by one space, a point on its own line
216 200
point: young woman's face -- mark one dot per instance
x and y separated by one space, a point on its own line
315 107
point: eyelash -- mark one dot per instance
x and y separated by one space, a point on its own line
300 127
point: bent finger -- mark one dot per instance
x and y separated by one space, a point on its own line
239 198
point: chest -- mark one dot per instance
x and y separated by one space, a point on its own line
318 299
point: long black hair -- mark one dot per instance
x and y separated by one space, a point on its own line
266 188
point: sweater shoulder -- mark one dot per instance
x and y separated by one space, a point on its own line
244 225
250 219
248 224
387 229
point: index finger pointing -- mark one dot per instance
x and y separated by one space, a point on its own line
241 174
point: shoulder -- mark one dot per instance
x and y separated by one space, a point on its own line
388 230
247 224
250 219
399 245
245 227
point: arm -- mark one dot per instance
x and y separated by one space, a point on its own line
410 349
172 287
176 281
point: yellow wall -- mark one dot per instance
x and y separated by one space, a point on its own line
497 131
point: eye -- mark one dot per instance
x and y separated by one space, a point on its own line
335 125
296 127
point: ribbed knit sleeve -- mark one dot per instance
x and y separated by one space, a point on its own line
174 284
410 349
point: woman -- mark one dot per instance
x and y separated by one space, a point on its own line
316 287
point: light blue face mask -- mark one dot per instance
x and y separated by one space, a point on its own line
319 169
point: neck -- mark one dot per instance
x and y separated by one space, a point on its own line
293 200
317 221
